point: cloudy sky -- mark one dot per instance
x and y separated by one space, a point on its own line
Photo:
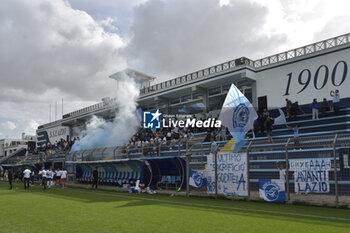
65 49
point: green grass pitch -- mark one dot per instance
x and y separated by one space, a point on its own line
80 210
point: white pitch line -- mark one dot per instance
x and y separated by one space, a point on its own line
221 207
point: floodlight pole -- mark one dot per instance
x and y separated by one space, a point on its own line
188 157
216 170
216 173
335 170
287 170
248 166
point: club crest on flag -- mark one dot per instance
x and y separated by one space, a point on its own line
197 179
240 116
272 190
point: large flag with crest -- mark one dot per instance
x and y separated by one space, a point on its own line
272 190
198 179
238 115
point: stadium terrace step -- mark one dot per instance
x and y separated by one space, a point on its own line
315 128
307 116
312 122
326 139
290 135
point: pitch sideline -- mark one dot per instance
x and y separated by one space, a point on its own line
218 207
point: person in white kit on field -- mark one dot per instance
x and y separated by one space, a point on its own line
63 175
57 176
26 178
43 174
49 175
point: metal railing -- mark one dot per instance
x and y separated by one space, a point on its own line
262 164
89 109
219 68
302 51
157 149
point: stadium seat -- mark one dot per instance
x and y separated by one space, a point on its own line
126 178
87 176
133 177
173 180
107 177
120 178
114 177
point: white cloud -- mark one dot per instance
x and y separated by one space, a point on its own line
50 51
9 125
121 11
183 36
46 46
304 22
31 128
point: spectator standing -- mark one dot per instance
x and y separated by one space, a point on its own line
261 124
294 110
324 107
296 136
314 105
212 145
255 128
10 176
26 178
268 126
94 178
282 172
223 133
265 114
336 100
288 107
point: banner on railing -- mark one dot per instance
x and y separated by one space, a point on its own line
198 179
272 190
232 174
311 175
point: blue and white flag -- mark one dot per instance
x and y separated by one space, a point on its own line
197 179
238 115
139 114
272 190
281 120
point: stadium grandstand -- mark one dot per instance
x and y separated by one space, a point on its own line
163 159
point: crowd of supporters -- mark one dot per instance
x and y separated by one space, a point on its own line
172 135
59 146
